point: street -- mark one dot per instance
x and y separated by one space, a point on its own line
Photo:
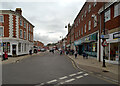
47 69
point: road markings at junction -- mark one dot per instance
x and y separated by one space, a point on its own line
63 77
85 74
51 81
78 77
70 80
72 74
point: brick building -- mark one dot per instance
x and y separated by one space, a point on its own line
111 15
16 33
88 27
38 44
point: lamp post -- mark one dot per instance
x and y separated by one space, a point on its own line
104 34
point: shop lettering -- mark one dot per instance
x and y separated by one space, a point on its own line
116 35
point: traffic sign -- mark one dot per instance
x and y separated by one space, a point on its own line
104 36
104 43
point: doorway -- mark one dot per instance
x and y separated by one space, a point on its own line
14 50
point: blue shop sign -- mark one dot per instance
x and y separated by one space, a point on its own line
93 37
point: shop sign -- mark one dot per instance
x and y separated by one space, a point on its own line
104 36
93 37
87 38
116 35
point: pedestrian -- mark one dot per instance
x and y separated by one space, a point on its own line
60 52
6 55
84 54
30 51
75 54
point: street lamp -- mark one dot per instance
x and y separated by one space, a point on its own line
104 34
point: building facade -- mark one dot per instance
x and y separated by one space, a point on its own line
88 28
111 16
16 33
38 44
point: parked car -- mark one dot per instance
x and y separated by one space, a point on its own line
42 50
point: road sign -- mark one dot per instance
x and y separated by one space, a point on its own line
104 43
104 36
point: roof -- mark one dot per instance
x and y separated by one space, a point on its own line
11 11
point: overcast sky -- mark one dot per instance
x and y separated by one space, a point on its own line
48 16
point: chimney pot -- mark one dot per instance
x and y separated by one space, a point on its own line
18 10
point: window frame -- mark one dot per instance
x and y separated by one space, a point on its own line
118 12
89 25
2 18
21 35
3 31
24 34
105 14
21 22
85 28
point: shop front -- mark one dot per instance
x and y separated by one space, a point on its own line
112 51
90 45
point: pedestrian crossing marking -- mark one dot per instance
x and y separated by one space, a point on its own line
51 81
70 80
85 74
63 77
73 74
78 77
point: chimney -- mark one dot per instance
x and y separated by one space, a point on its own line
69 27
18 10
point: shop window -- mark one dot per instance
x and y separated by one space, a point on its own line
114 51
19 47
1 32
25 47
1 18
6 47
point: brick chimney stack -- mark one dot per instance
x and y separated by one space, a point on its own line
18 10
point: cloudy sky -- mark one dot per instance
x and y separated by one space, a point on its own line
48 16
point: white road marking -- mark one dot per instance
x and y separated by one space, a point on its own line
79 72
52 81
85 74
42 84
63 77
70 80
79 77
73 74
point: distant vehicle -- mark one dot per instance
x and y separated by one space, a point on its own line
42 50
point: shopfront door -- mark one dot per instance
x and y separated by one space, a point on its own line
14 50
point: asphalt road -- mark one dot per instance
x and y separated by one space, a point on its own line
48 69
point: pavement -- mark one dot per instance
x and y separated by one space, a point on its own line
111 71
19 58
